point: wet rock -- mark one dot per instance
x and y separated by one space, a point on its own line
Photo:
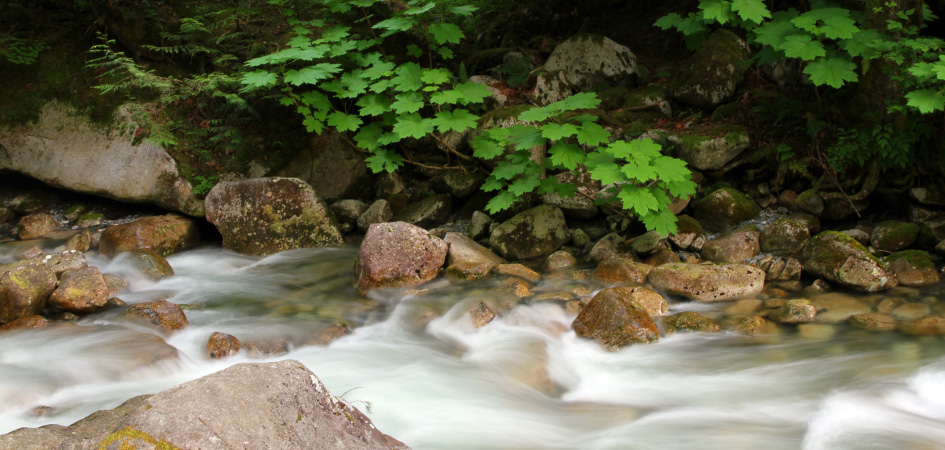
114 302
553 297
735 246
713 149
622 270
222 345
926 326
378 212
28 252
426 213
115 284
468 270
838 307
780 269
841 259
481 315
816 330
893 235
784 237
517 287
456 183
326 333
651 301
584 62
262 216
911 311
690 321
647 243
534 232
687 229
614 321
794 311
479 225
36 225
861 236
810 201
755 326
744 307
81 241
150 264
714 71
611 246
517 270
913 268
163 235
397 254
24 291
708 282
80 291
559 260
662 256
463 249
581 204
25 323
724 209
265 347
348 210
166 316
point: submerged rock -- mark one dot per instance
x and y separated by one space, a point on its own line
614 321
690 321
534 232
841 259
163 235
162 314
262 216
397 254
708 282
913 268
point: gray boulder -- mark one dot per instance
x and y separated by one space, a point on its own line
708 282
713 149
584 62
426 213
534 232
714 71
464 250
378 212
784 237
262 216
397 254
841 259
735 246
330 165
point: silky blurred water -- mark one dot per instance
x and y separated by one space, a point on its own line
425 375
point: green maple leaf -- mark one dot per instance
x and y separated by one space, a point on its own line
833 72
436 76
506 170
668 21
486 148
396 24
926 100
592 134
751 10
524 185
445 53
353 84
381 85
863 43
334 34
525 137
639 172
839 26
408 102
637 199
373 105
607 173
313 125
691 25
379 69
680 188
311 74
922 70
412 125
344 122
502 201
409 78
414 50
368 137
458 120
463 10
551 184
581 100
556 131
773 32
449 97
258 79
663 222
341 48
802 46
384 160
492 184
537 114
717 10
472 92
443 33
566 155
316 100
672 169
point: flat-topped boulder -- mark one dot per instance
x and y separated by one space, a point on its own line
708 282
163 235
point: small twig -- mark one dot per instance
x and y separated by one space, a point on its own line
638 108
446 167
451 149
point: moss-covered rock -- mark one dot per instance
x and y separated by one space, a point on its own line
80 291
784 237
24 291
794 311
690 321
585 62
913 268
713 72
893 235
614 321
163 235
735 246
841 259
873 322
612 245
535 232
712 149
723 209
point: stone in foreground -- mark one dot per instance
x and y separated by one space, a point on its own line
163 235
708 282
397 254
614 320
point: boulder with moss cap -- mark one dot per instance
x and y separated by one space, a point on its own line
841 259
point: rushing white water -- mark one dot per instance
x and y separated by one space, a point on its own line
522 381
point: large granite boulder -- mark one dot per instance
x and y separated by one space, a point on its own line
277 405
714 71
708 282
535 232
584 62
163 235
614 320
841 259
397 254
724 209
65 149
24 291
262 216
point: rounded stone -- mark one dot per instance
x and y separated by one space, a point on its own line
222 345
535 232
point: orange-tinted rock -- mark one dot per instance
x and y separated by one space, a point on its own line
397 254
163 314
222 345
622 270
25 323
614 321
36 225
24 291
517 270
481 315
163 235
690 321
80 291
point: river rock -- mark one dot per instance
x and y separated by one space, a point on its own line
163 235
64 148
559 260
781 269
349 210
479 225
913 268
531 233
81 241
622 270
794 311
481 315
838 307
378 212
36 225
841 259
873 322
735 246
651 301
266 346
456 183
690 321
647 243
222 345
426 213
24 291
708 282
330 165
80 291
581 204
150 264
713 149
583 62
614 321
517 270
262 216
59 263
397 254
611 246
724 209
714 71
687 229
25 323
784 237
926 326
893 235
462 249
468 270
166 316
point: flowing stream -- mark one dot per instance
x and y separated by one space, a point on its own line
424 374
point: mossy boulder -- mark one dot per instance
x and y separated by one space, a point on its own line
914 268
784 237
24 291
531 233
794 311
690 321
36 225
80 291
262 216
612 245
621 270
584 62
714 71
614 321
708 282
723 209
735 246
712 149
893 235
397 254
841 259
163 235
